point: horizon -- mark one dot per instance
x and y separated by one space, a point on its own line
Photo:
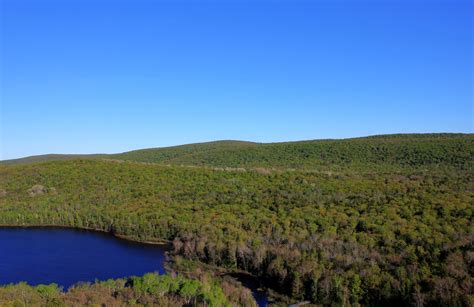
106 77
243 141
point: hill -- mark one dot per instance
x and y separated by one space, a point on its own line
45 158
409 150
374 152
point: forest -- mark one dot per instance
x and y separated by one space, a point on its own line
382 152
369 221
148 290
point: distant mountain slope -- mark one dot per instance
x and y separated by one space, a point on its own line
48 157
184 153
398 150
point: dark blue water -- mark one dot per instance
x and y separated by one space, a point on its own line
67 256
253 284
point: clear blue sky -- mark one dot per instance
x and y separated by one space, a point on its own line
110 76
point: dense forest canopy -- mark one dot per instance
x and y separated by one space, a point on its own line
361 153
384 219
147 290
395 151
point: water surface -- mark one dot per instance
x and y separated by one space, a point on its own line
67 256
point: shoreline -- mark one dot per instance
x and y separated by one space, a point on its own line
116 235
216 271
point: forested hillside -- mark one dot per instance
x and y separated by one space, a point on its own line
398 232
385 152
377 152
45 158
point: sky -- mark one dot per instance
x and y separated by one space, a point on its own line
110 76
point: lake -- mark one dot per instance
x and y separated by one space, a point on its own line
67 256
